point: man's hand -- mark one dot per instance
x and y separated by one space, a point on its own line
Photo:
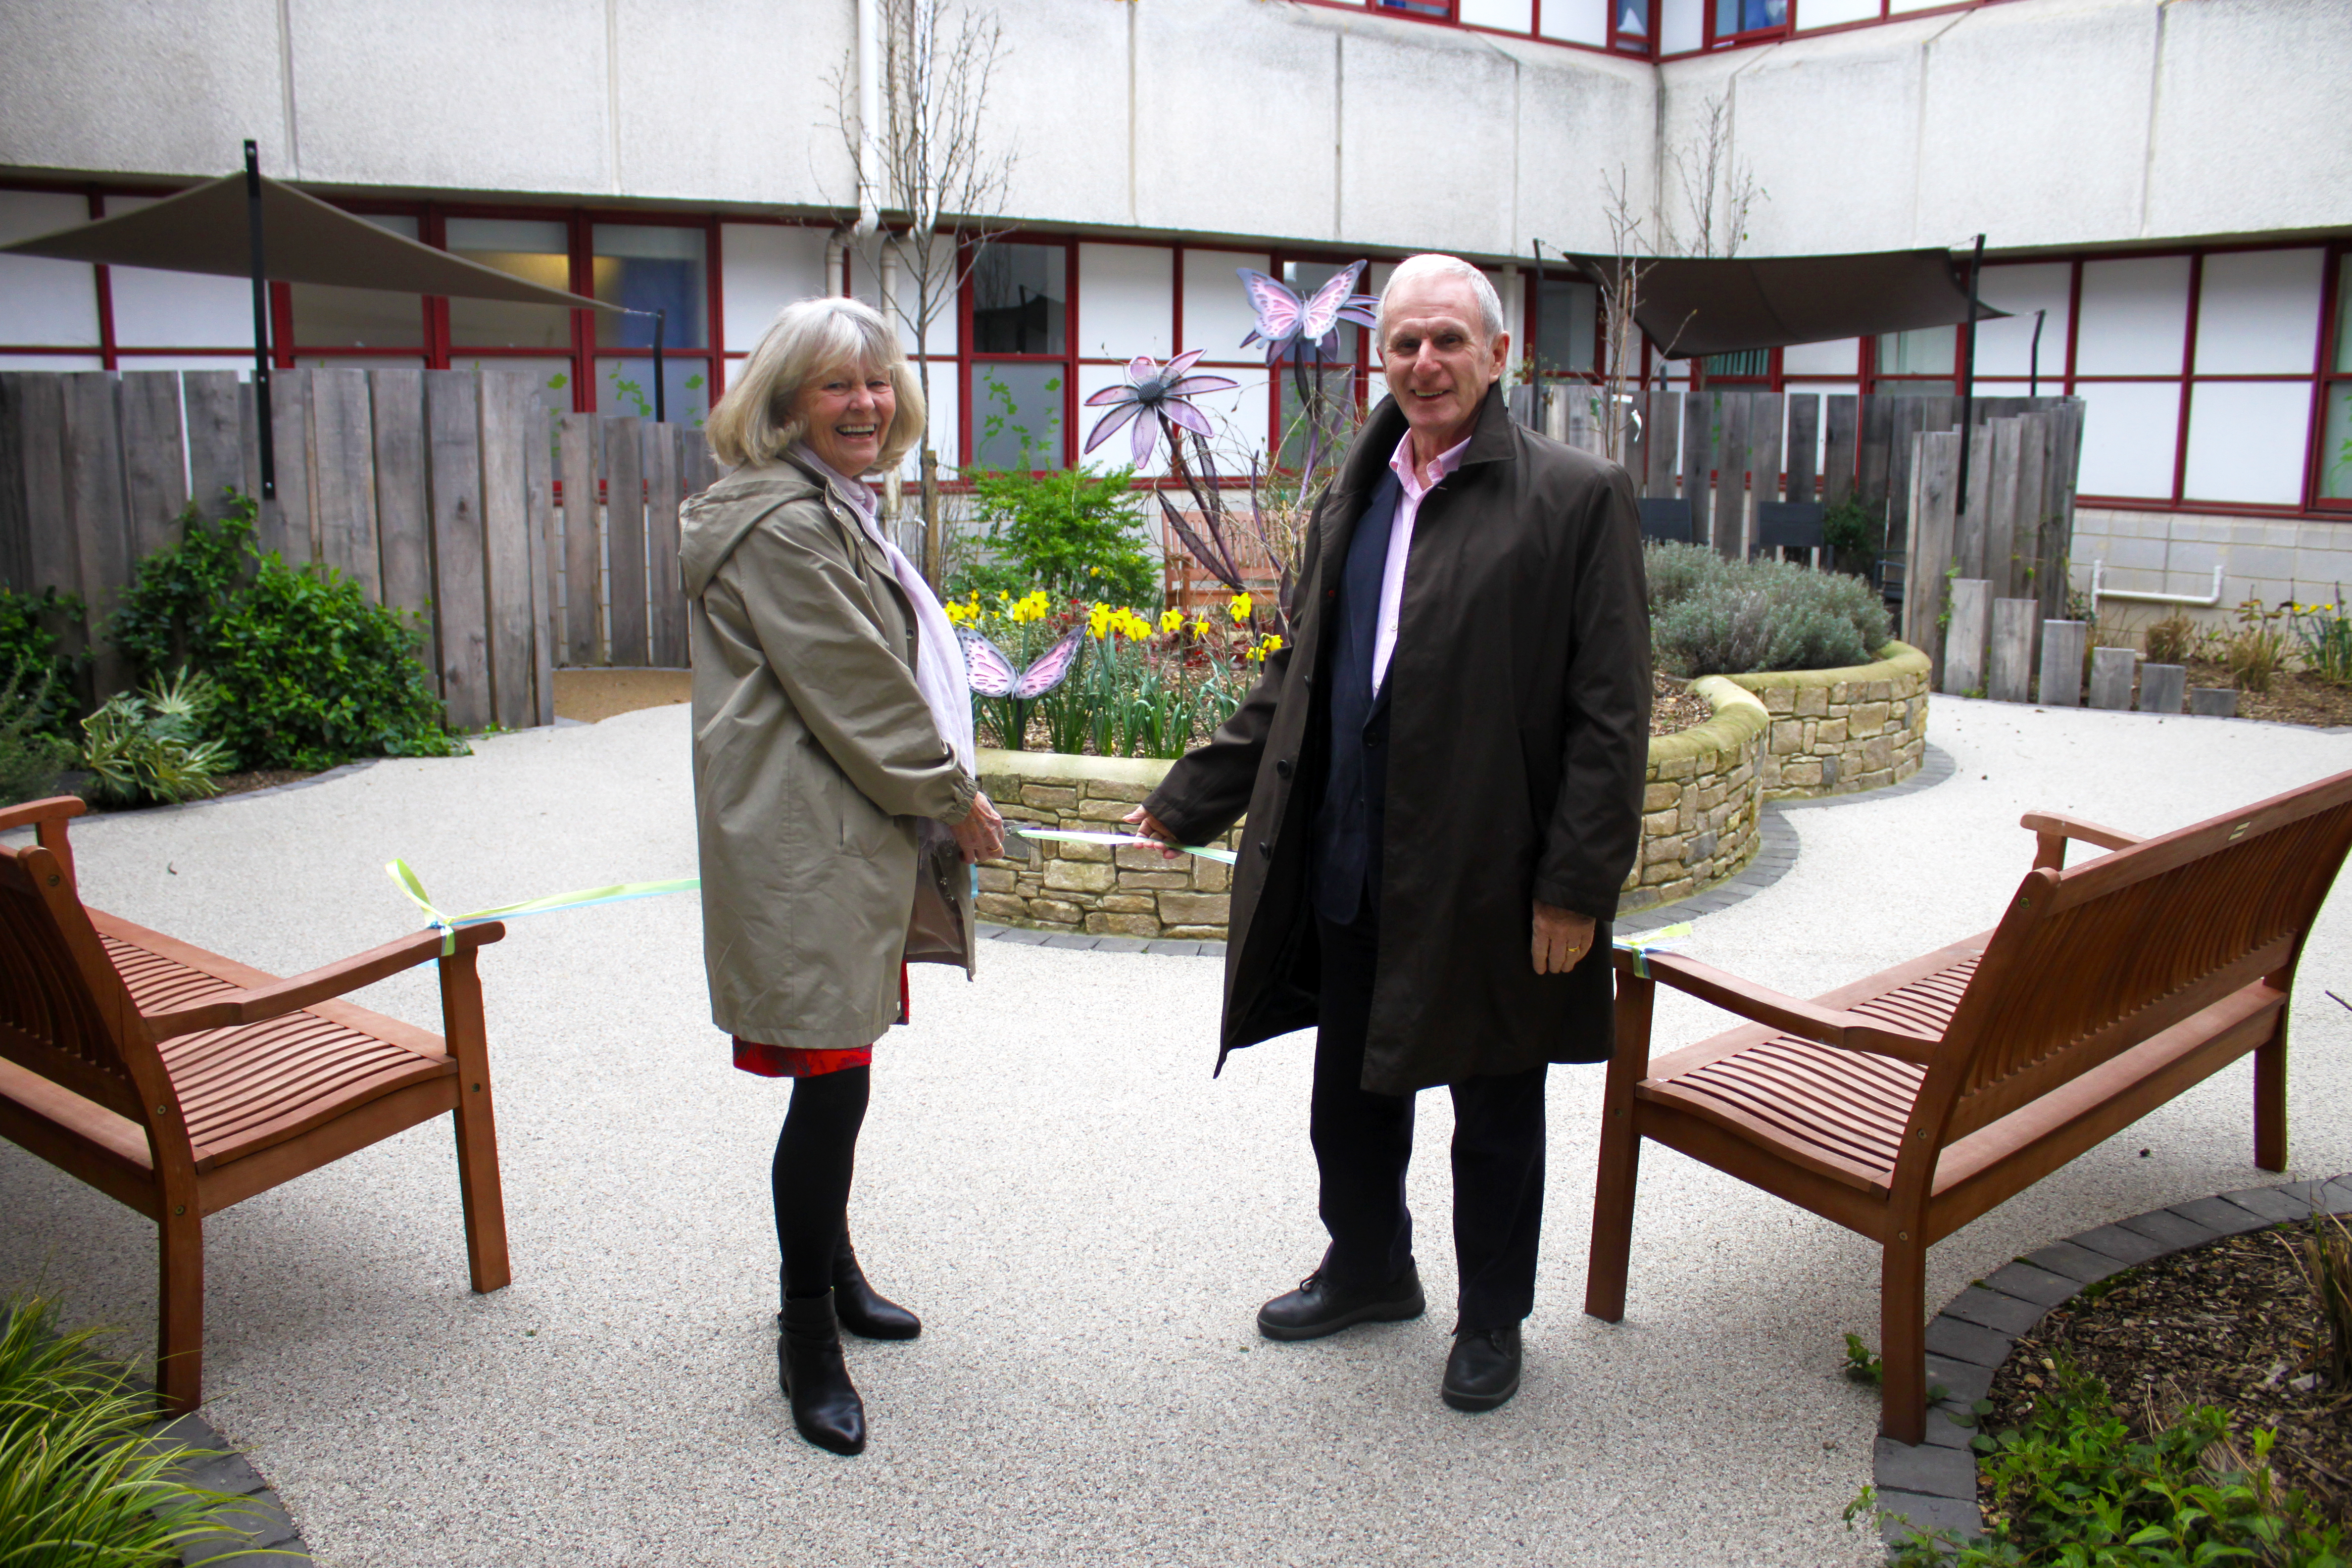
981 835
1149 827
1562 938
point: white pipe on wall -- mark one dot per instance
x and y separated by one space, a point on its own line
869 115
2195 602
834 244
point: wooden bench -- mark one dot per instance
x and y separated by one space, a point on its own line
180 1082
1906 1105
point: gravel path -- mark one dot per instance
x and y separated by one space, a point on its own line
1085 1220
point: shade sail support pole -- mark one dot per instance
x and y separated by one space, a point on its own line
661 385
261 419
1969 382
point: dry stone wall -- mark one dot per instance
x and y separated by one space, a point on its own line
1836 731
1102 890
1700 800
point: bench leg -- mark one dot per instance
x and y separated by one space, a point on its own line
477 1125
2270 1100
1903 1340
1610 1254
180 1310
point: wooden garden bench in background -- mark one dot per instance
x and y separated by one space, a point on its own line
180 1082
1906 1105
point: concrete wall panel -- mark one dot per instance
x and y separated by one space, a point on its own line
171 90
1061 102
1411 174
1236 119
510 97
728 99
2254 128
1581 119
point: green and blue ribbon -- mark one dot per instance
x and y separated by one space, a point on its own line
1638 946
1205 851
447 924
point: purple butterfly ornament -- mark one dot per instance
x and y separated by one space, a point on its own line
1153 392
1283 319
992 674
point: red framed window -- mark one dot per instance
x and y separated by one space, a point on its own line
2332 477
1020 382
1732 22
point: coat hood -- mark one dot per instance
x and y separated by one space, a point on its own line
711 524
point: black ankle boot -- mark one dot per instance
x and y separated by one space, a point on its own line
861 1310
826 1407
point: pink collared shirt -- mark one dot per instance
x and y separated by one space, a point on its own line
1384 634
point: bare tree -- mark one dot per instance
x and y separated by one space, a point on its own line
1618 279
930 190
1718 191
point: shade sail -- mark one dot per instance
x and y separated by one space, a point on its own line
304 240
1711 305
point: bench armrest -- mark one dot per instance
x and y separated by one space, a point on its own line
47 820
1790 1015
282 996
2051 829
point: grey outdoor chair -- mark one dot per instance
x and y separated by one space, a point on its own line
1666 519
1788 525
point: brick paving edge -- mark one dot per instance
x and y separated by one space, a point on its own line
1934 1486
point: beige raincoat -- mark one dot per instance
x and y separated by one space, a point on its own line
820 780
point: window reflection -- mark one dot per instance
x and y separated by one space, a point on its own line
1733 17
650 266
1020 299
537 249
1016 415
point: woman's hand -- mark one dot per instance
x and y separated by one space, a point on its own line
981 835
1149 827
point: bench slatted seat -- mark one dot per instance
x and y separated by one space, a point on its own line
1906 1104
180 1082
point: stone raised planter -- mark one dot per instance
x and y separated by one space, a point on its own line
1836 731
1700 800
1100 888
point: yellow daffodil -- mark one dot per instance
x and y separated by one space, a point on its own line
958 615
1240 608
1272 642
1201 628
1099 621
1170 619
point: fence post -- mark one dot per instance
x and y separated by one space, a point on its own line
154 463
510 419
460 604
625 534
1730 532
584 542
1964 643
664 591
403 503
91 445
2062 663
341 459
1927 548
2111 677
1664 443
2011 676
215 439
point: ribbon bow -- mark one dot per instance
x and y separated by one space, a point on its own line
447 924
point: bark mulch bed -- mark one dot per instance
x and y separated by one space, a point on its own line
2294 698
2232 1324
1673 707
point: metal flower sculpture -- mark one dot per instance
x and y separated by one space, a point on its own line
1284 319
1154 395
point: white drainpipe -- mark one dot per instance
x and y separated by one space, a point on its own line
834 244
2195 602
869 115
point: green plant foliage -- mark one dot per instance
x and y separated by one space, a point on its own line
1072 531
1862 1364
1849 529
1713 616
27 641
31 757
2325 632
310 673
80 1485
151 745
2074 1487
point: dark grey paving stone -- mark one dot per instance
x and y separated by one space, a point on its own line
1963 1383
2026 1282
1901 1514
2336 1197
1945 1433
2174 1231
1927 1469
2126 1247
2220 1215
2002 1314
228 1473
1016 934
1073 940
1122 945
1173 948
186 1432
1957 1339
260 1522
2273 1203
2075 1262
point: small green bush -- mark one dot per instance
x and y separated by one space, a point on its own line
31 757
1713 616
2072 1486
27 642
1073 532
79 1481
152 746
310 673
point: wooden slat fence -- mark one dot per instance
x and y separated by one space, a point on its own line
445 493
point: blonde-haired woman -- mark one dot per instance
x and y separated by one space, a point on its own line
834 795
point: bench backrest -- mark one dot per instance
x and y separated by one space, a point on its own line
65 1013
2090 962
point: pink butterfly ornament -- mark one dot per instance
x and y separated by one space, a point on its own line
1284 319
991 672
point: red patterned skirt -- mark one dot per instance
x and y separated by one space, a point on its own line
791 1062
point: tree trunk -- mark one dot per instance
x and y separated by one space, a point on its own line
933 568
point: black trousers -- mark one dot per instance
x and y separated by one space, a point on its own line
1363 1141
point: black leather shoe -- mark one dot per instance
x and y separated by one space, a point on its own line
861 1310
1318 1307
1484 1369
826 1407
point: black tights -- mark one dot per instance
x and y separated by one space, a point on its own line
815 1155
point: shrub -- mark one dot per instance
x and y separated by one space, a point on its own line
27 641
152 747
1713 617
2074 1486
2171 639
2257 649
31 757
2325 633
311 674
1073 532
79 1481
